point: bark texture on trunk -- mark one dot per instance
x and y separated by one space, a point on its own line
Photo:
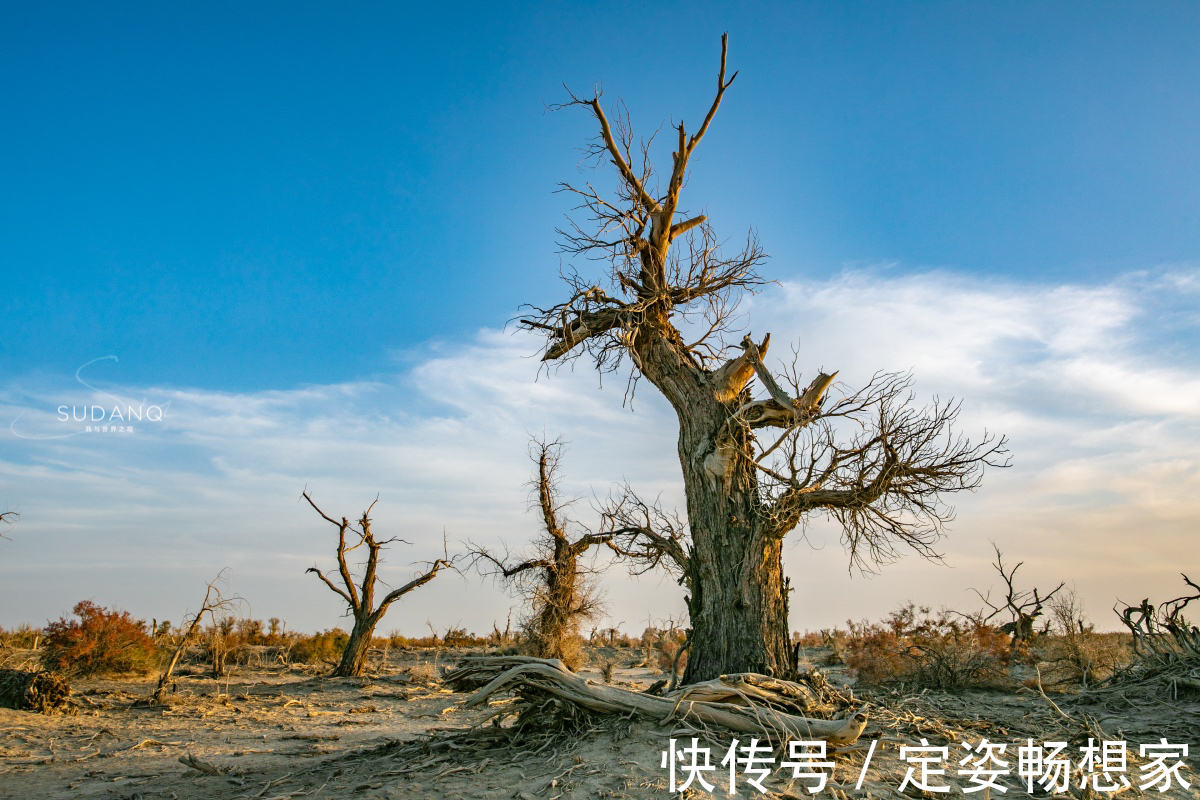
354 657
736 592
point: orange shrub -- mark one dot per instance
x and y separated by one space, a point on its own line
100 641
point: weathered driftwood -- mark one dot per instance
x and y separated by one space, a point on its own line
744 703
749 688
33 691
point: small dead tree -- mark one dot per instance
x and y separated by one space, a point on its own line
1022 606
551 578
214 602
360 597
667 307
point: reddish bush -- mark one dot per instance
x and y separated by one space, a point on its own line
99 641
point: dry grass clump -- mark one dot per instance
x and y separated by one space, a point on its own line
98 642
424 675
568 648
1076 654
947 652
22 637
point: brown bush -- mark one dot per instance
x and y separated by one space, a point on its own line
100 641
945 651
1076 654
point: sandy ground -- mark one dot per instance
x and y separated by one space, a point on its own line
291 732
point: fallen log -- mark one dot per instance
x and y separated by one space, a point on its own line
744 703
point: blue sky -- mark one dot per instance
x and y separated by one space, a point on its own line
304 227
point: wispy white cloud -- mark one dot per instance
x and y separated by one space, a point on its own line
1104 422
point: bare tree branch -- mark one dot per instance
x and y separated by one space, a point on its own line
7 518
645 534
886 484
1022 606
214 601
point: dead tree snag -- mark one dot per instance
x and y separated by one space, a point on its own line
360 597
551 578
870 460
213 602
1022 606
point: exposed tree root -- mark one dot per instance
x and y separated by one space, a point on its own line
745 703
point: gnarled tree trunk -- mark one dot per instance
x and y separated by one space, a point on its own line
354 656
743 496
736 596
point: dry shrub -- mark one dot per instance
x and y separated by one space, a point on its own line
23 637
324 647
100 641
668 644
424 674
809 639
945 651
1076 653
222 641
569 649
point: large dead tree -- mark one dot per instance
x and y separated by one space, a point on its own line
553 580
360 597
870 460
